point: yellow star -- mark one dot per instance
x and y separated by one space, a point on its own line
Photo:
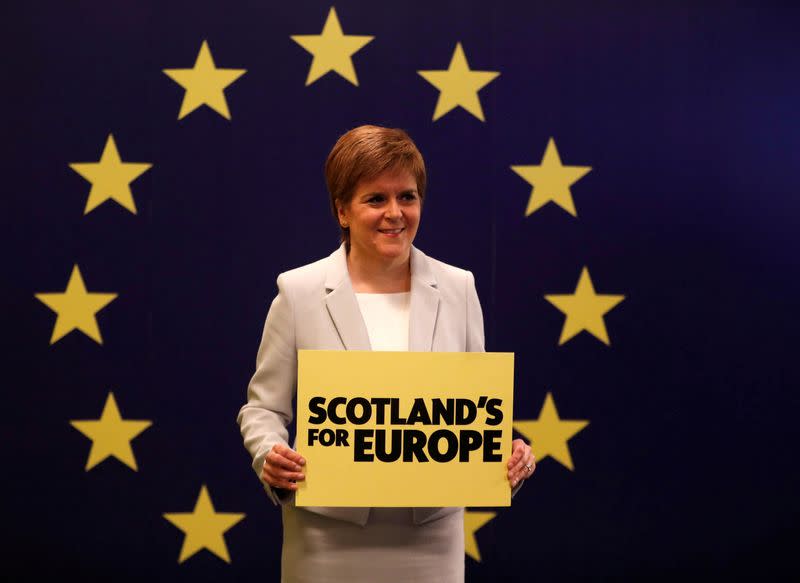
111 435
204 84
584 310
473 521
549 434
332 50
458 85
76 308
551 181
204 528
110 178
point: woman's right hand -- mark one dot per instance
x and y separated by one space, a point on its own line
283 467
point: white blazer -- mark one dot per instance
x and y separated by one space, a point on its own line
317 309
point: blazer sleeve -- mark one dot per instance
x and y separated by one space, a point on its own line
475 338
263 420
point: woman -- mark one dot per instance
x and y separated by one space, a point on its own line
375 292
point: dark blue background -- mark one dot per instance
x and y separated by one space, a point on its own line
688 114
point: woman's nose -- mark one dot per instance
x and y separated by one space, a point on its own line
393 210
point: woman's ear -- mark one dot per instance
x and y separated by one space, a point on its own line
342 214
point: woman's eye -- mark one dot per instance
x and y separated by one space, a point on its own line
375 200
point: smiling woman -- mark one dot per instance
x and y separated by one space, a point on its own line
376 292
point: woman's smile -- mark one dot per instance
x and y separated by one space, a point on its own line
391 232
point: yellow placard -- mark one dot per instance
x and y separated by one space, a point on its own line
404 428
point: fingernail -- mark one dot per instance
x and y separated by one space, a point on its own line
302 461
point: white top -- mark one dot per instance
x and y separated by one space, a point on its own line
386 318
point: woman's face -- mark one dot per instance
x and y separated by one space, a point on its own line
383 217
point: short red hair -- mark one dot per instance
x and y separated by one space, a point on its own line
363 153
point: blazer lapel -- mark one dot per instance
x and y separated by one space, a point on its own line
424 303
346 315
342 304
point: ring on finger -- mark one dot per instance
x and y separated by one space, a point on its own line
529 468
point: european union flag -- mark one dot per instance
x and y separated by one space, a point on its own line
620 178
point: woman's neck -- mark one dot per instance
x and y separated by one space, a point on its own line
379 276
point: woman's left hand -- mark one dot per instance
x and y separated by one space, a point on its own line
521 464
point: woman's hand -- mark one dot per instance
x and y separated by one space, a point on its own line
521 464
283 467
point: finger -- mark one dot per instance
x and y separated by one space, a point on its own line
518 468
518 448
280 448
521 471
284 484
283 479
288 453
274 481
288 474
277 471
283 474
295 457
528 468
275 462
518 472
274 459
514 459
291 454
